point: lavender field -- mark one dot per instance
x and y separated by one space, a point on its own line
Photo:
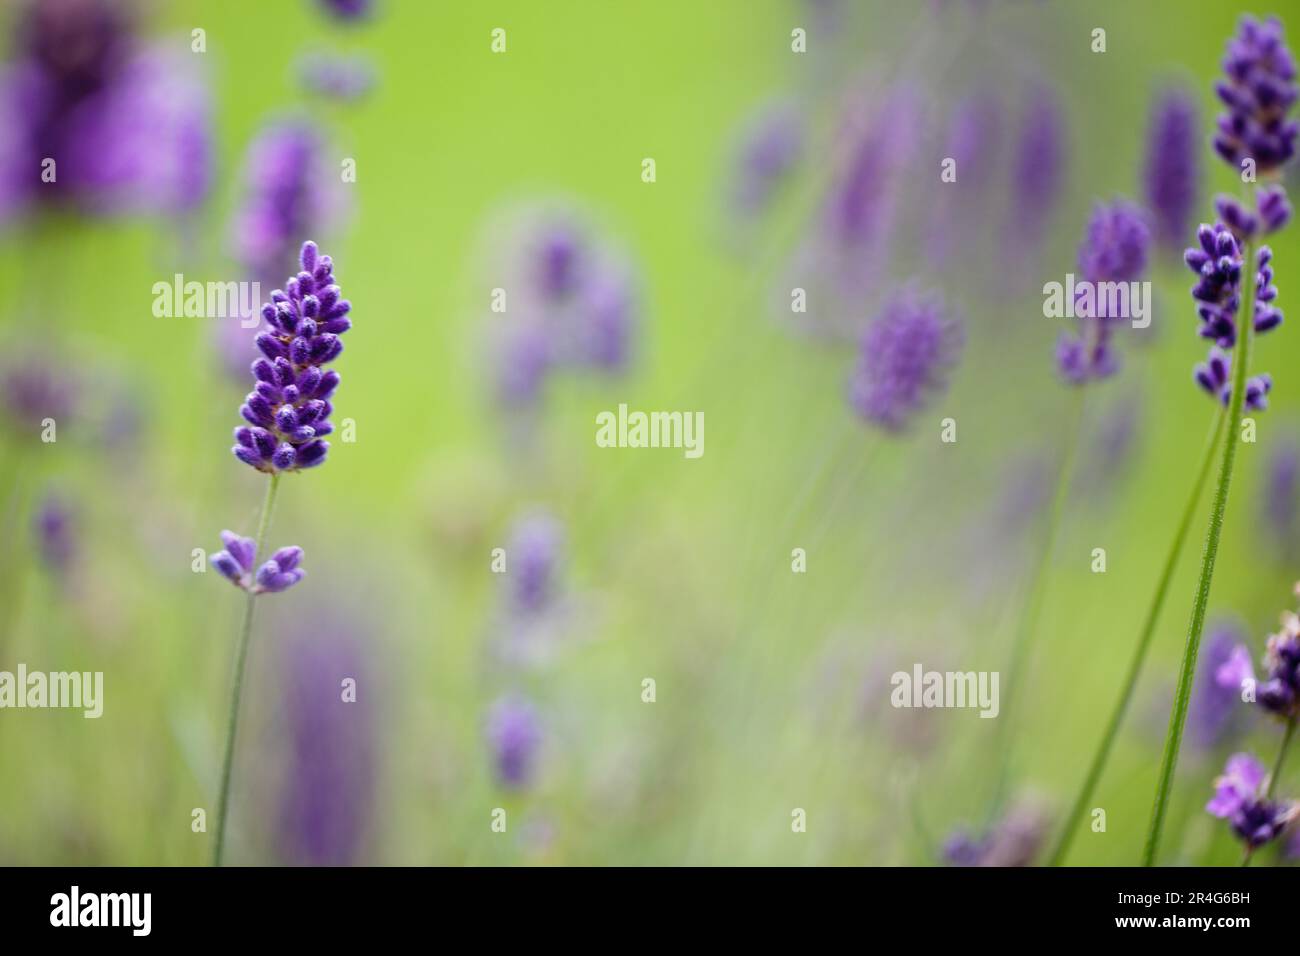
751 432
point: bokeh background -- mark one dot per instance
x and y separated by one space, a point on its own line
524 691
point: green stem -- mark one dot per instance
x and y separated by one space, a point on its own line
1034 600
1178 715
241 655
1140 651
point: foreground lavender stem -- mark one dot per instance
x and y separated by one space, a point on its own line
1071 819
237 690
1178 716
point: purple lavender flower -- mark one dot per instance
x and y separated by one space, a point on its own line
1273 211
534 555
1015 840
1238 798
288 410
1039 168
327 796
1281 494
236 562
515 735
770 146
1259 91
33 389
348 9
128 125
972 144
56 537
905 358
1172 173
1279 692
1217 261
285 197
574 306
1217 690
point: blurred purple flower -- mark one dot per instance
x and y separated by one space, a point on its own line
1173 167
327 797
1279 691
1114 249
1281 494
1038 171
32 389
534 556
1259 91
769 147
904 359
285 197
1238 798
973 137
514 734
1216 693
1272 212
128 126
56 536
1013 841
348 9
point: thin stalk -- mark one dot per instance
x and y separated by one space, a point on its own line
1034 600
237 690
1140 650
1187 670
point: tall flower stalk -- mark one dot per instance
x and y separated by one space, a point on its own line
287 413
1258 91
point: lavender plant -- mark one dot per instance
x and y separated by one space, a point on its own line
1235 280
287 413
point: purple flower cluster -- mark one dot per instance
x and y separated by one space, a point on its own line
285 197
1014 840
1039 168
348 9
1259 91
514 733
1114 249
1272 212
574 304
127 126
769 148
1172 172
288 410
534 555
1217 262
1239 798
236 562
905 358
1279 692
1218 687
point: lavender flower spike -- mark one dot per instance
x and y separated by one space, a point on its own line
237 560
1172 171
905 358
1238 798
1259 91
288 410
514 733
1114 249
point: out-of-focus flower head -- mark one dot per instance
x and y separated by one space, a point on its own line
348 10
534 556
1114 249
1173 165
1259 90
1217 693
572 304
1014 840
904 360
1038 172
768 149
56 535
33 389
1239 799
514 735
337 76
